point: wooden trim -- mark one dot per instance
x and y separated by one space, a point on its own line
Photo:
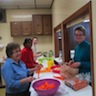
52 4
57 27
79 13
56 40
91 51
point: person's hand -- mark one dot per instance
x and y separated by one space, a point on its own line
64 68
70 62
75 65
38 66
66 63
38 54
67 71
30 78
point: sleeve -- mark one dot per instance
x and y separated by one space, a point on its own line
8 75
28 72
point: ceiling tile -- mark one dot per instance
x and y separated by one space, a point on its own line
17 2
43 2
27 7
25 4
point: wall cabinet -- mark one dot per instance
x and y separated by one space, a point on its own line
42 24
47 24
15 28
37 24
26 28
22 28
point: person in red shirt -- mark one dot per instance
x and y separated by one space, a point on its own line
27 54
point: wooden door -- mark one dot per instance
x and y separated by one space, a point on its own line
27 28
15 28
37 24
47 24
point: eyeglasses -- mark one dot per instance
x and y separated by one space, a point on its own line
79 34
16 51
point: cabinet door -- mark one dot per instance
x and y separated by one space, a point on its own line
37 24
47 24
15 28
26 28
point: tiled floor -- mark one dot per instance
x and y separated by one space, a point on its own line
2 91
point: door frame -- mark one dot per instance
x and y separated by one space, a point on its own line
86 9
56 43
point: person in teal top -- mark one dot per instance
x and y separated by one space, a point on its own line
82 55
81 58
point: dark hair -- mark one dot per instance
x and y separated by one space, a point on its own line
26 41
10 47
81 28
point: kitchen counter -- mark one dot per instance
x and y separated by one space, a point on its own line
63 89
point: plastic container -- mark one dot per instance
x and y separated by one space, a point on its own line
50 63
49 92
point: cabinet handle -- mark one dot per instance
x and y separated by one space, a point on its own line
38 25
39 33
46 32
26 33
15 28
15 33
26 28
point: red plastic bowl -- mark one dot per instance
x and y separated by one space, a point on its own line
49 92
54 69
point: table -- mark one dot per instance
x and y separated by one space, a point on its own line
65 90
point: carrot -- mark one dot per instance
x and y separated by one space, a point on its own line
44 70
59 77
39 68
39 73
45 86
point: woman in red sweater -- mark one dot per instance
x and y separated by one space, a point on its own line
27 54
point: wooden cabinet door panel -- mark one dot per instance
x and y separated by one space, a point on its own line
26 28
16 28
47 24
37 24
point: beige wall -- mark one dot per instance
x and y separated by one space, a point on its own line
45 42
61 10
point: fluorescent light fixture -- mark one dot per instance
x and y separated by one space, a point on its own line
87 20
22 16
